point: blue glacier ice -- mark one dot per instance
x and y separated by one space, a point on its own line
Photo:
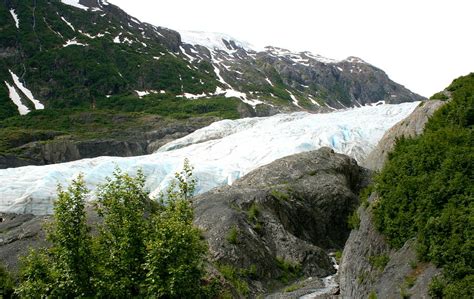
221 153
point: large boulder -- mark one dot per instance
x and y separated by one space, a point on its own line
291 211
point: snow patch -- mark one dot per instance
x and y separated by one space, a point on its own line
73 42
220 153
213 41
191 59
299 58
15 18
92 36
194 96
16 99
143 93
268 80
26 91
75 3
294 99
68 23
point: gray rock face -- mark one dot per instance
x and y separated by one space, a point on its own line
286 81
294 209
135 142
359 274
411 126
18 233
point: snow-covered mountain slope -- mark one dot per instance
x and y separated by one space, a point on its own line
220 153
289 80
214 41
106 52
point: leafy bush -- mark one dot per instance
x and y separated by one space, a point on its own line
143 248
379 261
439 96
353 221
233 235
427 188
6 283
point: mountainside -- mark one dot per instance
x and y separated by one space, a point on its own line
68 66
79 53
414 234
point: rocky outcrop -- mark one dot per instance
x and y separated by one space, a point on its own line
19 233
134 142
411 126
291 211
370 266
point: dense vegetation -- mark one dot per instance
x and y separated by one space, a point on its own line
427 192
141 248
111 119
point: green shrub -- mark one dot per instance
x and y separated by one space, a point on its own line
353 221
439 96
235 277
379 261
6 283
426 191
279 195
233 235
290 270
142 248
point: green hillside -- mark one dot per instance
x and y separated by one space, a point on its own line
427 192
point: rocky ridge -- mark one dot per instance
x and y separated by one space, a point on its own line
369 266
135 141
99 51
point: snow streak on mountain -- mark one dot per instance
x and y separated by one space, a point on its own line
220 153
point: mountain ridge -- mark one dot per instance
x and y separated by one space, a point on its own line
273 77
98 70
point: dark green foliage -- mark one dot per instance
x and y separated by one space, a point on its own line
122 203
173 107
439 96
236 277
36 276
142 248
379 261
76 76
233 236
353 221
112 117
365 194
64 269
289 270
6 283
427 190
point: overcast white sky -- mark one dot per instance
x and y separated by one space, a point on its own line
422 44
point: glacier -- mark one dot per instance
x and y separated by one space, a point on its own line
220 153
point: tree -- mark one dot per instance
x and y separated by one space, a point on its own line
125 207
174 261
143 247
64 269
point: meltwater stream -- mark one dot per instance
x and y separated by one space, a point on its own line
221 153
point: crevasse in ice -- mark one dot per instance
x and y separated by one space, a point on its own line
221 153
